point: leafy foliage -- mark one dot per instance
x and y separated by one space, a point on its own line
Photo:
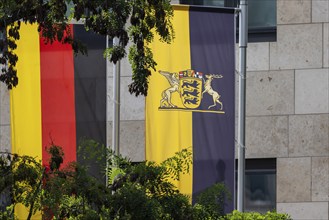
21 180
236 215
214 198
104 17
149 186
56 158
142 191
135 191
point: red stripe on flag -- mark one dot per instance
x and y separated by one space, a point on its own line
57 98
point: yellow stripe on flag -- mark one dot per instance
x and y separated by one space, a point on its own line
168 132
25 104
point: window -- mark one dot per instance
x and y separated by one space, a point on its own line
260 185
261 16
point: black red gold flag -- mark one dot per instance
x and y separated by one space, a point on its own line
61 98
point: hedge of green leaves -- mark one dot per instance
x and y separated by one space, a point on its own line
134 192
236 215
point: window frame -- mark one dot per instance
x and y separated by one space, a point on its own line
259 165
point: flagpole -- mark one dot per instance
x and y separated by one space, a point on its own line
116 104
243 41
107 107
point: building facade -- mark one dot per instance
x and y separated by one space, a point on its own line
287 112
287 123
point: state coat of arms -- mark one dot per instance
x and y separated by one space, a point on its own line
191 86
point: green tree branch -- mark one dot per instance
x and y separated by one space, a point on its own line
104 17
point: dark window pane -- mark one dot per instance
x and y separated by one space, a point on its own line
219 3
191 2
260 185
261 14
260 191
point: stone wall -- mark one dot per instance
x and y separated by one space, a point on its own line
5 134
288 101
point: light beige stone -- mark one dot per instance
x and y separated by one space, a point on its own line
267 137
132 139
305 210
5 140
308 135
125 67
110 99
131 107
258 56
109 134
293 11
326 45
312 91
320 179
320 11
298 46
270 93
4 105
125 64
293 179
109 68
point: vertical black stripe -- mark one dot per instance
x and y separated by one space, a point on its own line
90 90
212 52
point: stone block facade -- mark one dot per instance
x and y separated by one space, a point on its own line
305 210
270 93
291 109
5 133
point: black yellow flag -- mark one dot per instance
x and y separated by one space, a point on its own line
191 97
